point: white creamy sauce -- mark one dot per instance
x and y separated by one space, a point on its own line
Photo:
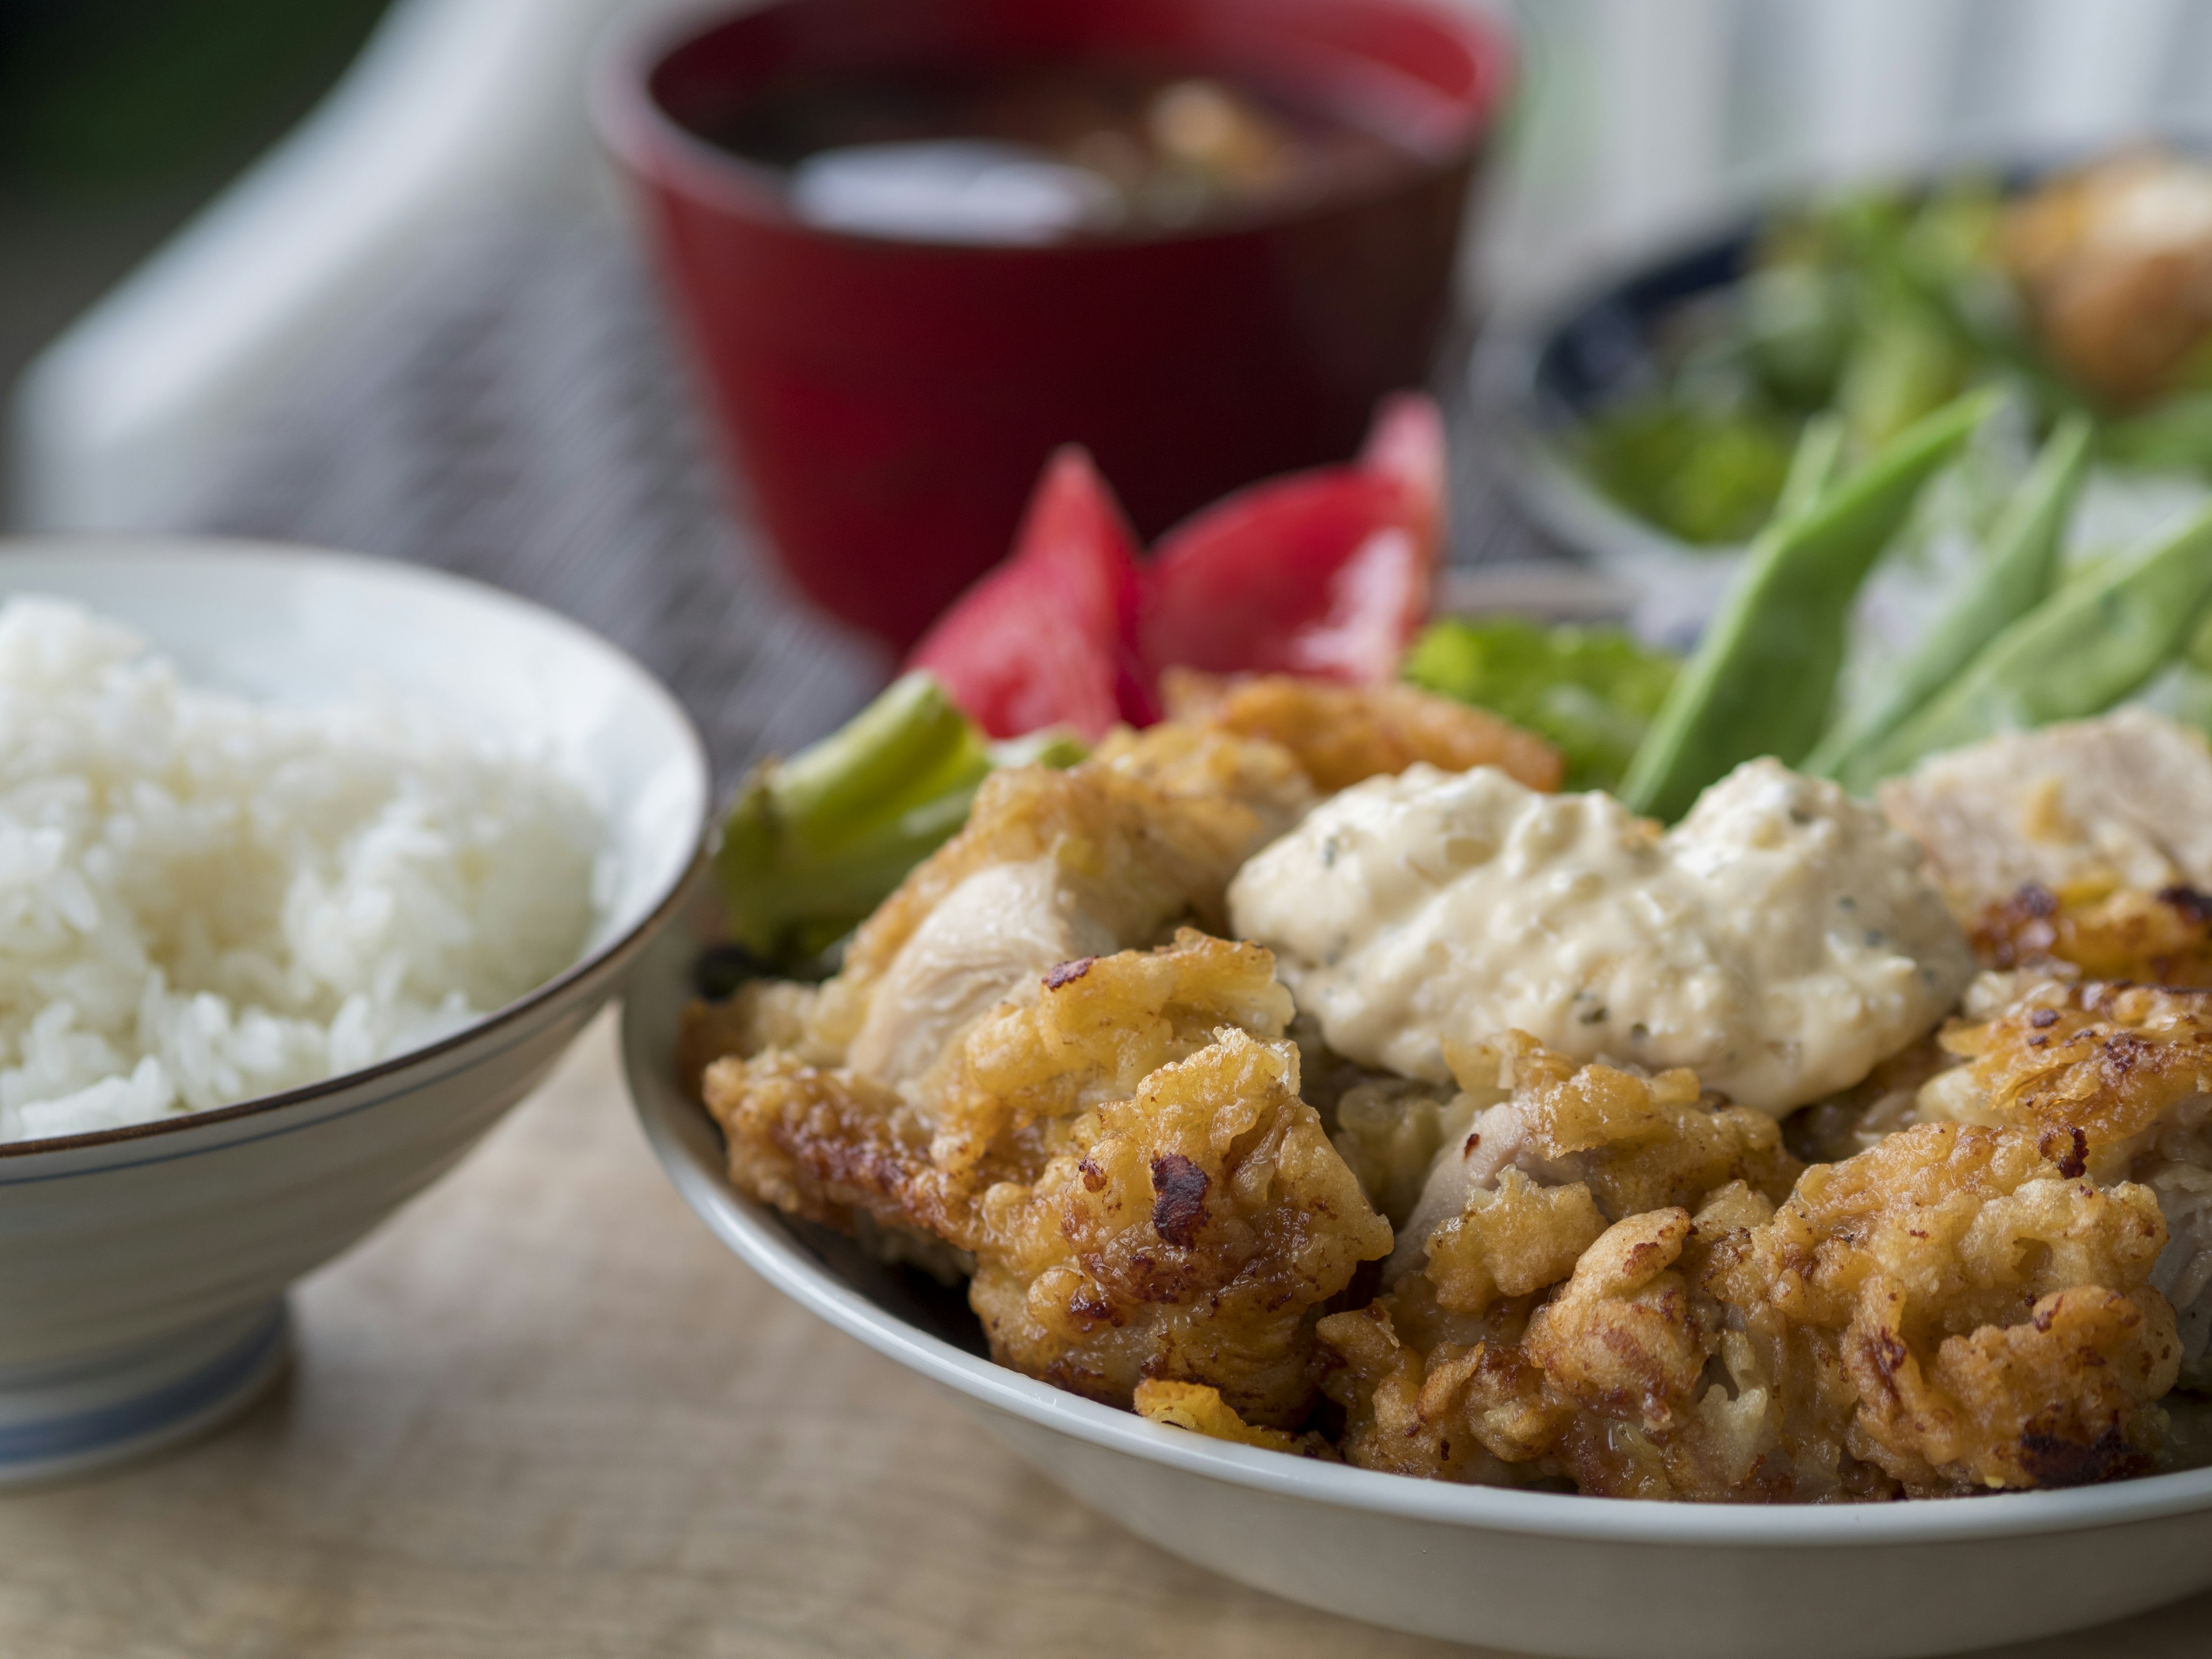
1781 939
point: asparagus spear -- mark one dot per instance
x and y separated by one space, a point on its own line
2017 575
812 844
2077 653
1765 674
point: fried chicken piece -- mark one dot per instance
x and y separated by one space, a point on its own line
827 1143
1950 1310
1388 1129
1987 1316
1139 1188
1096 1030
1054 866
2106 931
1635 1143
1343 734
1201 1410
1189 1234
1597 1388
761 1014
2123 801
822 1144
1051 866
2116 1082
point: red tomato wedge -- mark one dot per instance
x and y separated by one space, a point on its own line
1324 573
1042 640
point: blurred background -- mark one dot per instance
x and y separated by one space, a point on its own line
255 168
353 271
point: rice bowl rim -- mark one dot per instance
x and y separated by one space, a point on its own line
93 547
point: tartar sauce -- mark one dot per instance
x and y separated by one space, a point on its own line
1781 939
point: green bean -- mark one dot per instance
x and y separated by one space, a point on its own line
2080 651
1814 467
2018 573
1765 674
1905 365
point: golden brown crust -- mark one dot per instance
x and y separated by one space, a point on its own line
1201 1410
1148 830
2106 931
1638 1143
1911 1266
1342 734
2106 1063
1189 1234
1095 1032
1947 1312
1141 1188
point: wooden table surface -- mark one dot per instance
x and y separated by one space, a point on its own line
543 1412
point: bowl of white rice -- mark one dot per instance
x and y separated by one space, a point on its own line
310 867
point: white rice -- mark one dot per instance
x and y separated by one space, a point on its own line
203 900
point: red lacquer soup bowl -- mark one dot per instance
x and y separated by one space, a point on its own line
889 402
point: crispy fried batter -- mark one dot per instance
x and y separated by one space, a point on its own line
1344 733
1097 1030
763 1013
2109 1063
1141 1188
1988 1317
1634 1143
1188 1234
1201 1410
1950 1310
824 1145
1147 831
1508 1241
2104 931
2116 1081
1005 1098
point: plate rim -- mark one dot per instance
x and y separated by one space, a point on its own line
649 1077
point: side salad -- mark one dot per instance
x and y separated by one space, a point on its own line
2089 294
1326 575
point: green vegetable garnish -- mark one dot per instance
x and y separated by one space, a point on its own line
812 844
2080 651
1710 478
1818 462
1590 691
2019 572
1764 677
1906 363
2174 437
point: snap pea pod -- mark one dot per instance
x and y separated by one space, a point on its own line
1818 460
1765 674
2018 573
2080 651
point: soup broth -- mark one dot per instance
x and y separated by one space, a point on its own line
1042 153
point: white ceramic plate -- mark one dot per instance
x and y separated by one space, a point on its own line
1543 1573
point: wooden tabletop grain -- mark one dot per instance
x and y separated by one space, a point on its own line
543 1412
